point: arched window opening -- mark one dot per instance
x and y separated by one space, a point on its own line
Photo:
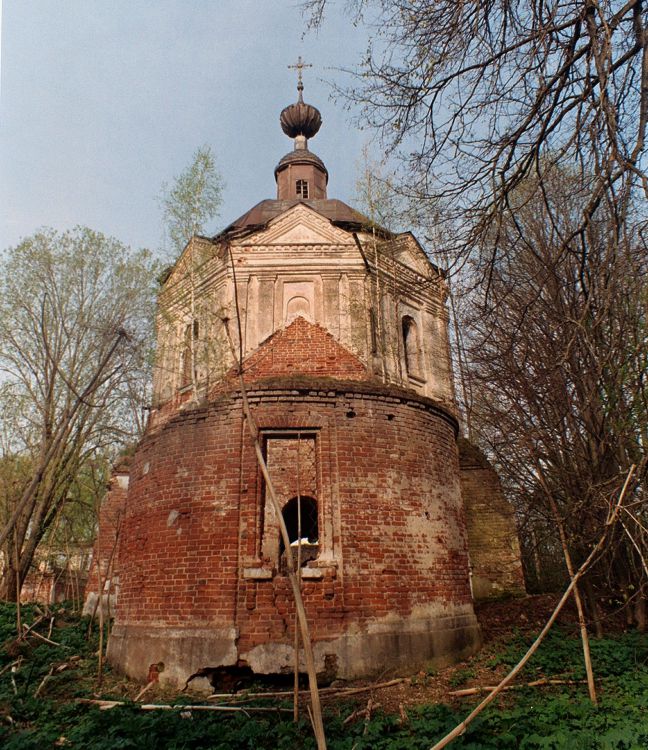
186 355
302 189
300 517
412 347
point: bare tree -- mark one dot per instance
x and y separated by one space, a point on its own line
558 356
75 329
476 97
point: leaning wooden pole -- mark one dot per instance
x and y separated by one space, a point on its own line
318 724
611 519
587 658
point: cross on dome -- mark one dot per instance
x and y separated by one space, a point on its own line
299 67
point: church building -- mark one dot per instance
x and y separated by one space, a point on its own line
340 328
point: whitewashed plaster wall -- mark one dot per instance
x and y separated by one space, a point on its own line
301 264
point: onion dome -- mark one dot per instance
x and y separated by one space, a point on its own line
300 119
301 175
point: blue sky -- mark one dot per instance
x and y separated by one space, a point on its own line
101 101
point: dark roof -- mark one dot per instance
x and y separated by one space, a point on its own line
334 210
301 156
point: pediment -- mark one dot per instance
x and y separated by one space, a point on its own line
299 225
412 255
197 253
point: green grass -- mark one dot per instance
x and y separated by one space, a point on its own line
528 718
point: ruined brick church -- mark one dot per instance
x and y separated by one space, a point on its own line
341 329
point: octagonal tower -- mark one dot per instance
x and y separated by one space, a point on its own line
342 331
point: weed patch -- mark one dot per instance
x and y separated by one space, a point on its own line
529 718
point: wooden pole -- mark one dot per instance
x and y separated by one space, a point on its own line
296 641
318 724
17 568
587 658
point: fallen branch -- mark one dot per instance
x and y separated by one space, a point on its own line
105 705
536 683
43 681
378 686
364 712
43 638
144 690
28 629
7 667
328 692
612 516
54 669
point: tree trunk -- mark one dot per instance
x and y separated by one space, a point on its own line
593 607
640 612
8 588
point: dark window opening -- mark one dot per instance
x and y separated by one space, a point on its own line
300 517
302 189
412 347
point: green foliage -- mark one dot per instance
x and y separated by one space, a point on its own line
530 719
561 653
461 677
193 198
76 332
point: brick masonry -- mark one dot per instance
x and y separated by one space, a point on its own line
199 582
344 335
496 564
104 568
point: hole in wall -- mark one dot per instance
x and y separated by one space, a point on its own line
234 678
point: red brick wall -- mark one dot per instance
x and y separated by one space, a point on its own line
391 522
303 348
300 349
105 553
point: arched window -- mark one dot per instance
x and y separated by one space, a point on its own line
300 517
301 188
412 348
186 355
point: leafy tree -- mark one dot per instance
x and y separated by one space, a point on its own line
193 199
76 311
188 320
